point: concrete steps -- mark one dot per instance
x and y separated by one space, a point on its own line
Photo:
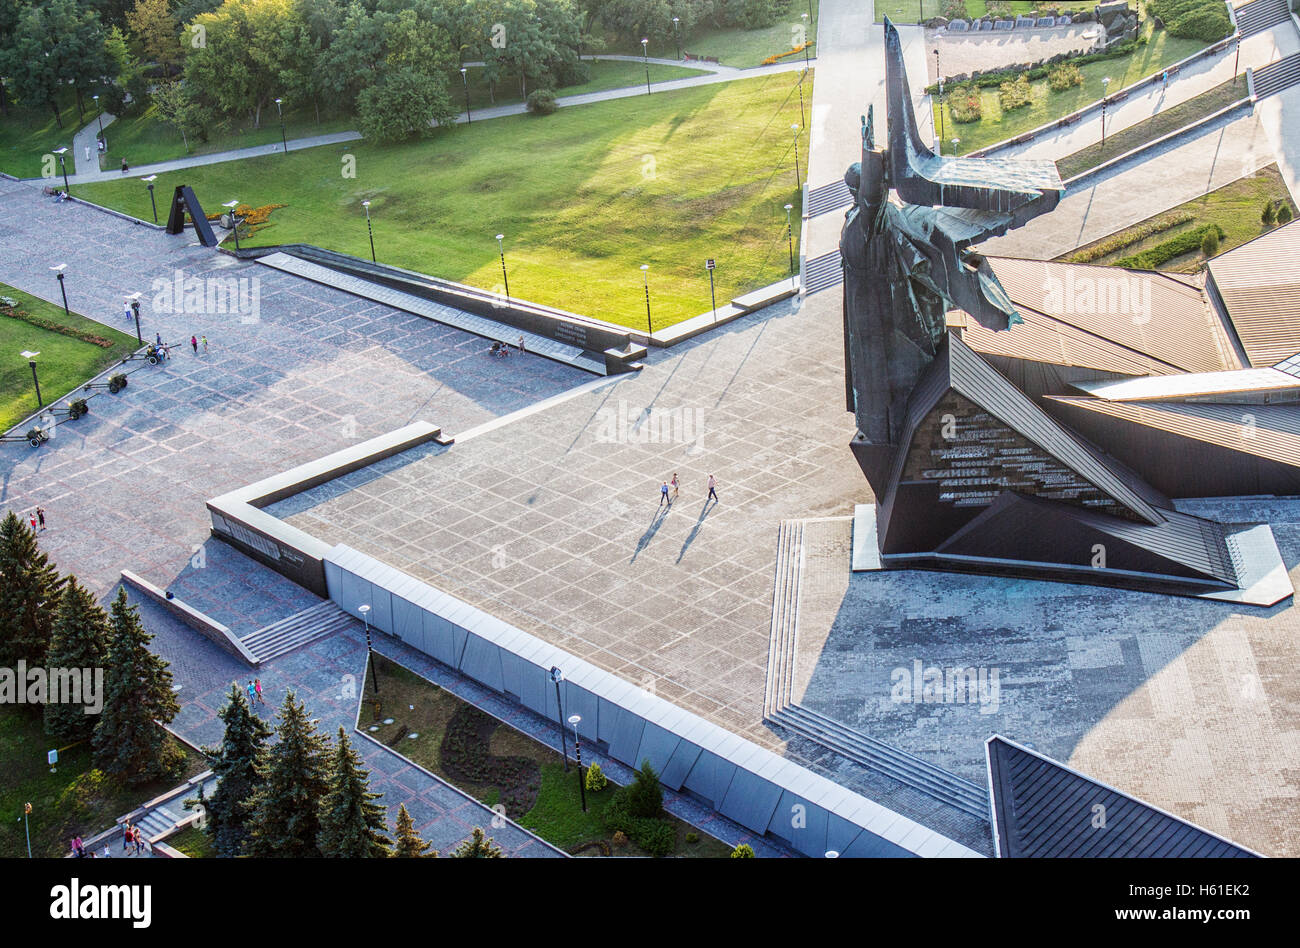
829 197
785 617
297 630
1277 76
821 273
1261 15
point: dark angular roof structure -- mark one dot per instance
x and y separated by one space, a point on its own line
1045 809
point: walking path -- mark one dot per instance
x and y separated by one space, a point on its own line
716 74
85 147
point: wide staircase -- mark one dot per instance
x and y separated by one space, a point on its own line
295 631
1261 15
821 273
1277 76
780 708
829 197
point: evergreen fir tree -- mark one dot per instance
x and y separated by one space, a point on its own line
477 846
293 781
138 697
409 844
235 765
30 588
352 824
80 641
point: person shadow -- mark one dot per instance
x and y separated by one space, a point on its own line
695 530
656 522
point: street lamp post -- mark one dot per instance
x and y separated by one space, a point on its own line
63 166
370 230
100 117
58 272
284 139
31 360
135 311
645 58
27 809
504 276
575 720
789 234
148 183
803 119
1237 61
464 80
234 221
370 652
798 175
1105 84
557 676
713 299
939 76
807 23
677 34
645 281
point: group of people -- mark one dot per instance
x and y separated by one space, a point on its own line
666 498
161 349
38 519
255 691
502 349
132 837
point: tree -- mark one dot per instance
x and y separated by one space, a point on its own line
351 823
409 844
645 798
138 697
1269 214
237 66
403 105
743 851
155 33
1284 214
30 589
1210 243
55 43
80 640
477 846
595 778
292 782
235 765
181 111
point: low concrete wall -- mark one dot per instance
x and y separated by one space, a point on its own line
211 629
746 783
238 520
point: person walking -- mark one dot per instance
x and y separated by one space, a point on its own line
258 687
1164 80
194 344
204 340
252 693
33 521
126 838
522 350
126 311
139 841
675 485
40 515
663 495
713 494
157 337
125 168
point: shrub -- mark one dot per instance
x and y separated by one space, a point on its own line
1015 94
1205 20
743 851
1269 214
403 105
619 838
1186 242
1126 238
692 838
542 102
596 779
645 797
965 105
656 837
1063 77
1284 214
955 9
1210 243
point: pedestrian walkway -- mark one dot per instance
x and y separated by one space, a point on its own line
85 145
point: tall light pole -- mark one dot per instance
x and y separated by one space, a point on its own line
557 676
803 119
64 168
504 276
284 140
135 311
807 25
234 221
1105 84
575 720
100 118
798 175
58 272
1236 63
148 183
789 234
645 58
464 80
713 300
645 281
677 34
370 652
27 810
31 360
939 76
370 230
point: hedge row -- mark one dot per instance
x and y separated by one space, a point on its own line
1127 238
1165 251
988 80
52 326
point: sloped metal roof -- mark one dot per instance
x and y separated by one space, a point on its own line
1259 283
1045 809
1190 385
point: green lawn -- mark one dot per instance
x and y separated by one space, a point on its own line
193 842
584 197
1235 207
64 363
556 815
75 800
732 46
1160 124
605 74
27 135
909 11
1047 106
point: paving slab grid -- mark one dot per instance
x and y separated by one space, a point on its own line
316 371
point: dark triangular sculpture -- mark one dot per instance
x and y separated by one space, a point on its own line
184 200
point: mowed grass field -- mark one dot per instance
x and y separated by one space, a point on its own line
63 364
584 197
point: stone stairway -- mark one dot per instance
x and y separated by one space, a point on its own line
780 708
1261 15
1277 76
829 197
821 273
297 630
